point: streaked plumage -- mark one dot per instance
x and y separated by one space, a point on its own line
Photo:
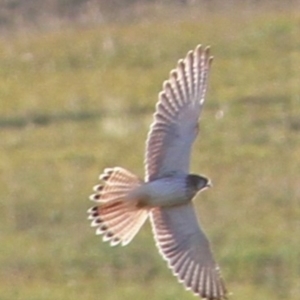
124 202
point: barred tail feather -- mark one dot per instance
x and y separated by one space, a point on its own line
117 217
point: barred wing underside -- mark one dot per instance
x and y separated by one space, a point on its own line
175 124
185 247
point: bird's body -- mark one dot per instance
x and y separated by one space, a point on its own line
124 202
172 190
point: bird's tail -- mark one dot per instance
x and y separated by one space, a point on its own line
117 216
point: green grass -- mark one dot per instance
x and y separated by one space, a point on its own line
77 100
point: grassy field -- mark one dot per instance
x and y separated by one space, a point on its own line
77 100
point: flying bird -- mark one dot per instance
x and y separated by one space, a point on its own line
125 202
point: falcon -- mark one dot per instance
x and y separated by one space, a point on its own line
124 201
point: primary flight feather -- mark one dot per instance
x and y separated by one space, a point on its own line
124 202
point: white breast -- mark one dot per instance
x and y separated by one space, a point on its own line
168 191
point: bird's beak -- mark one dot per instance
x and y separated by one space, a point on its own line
209 184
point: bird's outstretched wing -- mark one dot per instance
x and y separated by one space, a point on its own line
185 247
175 124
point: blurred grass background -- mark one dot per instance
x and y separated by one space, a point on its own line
78 85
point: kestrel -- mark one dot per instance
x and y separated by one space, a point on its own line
124 202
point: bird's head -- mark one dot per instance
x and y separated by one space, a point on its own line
198 183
